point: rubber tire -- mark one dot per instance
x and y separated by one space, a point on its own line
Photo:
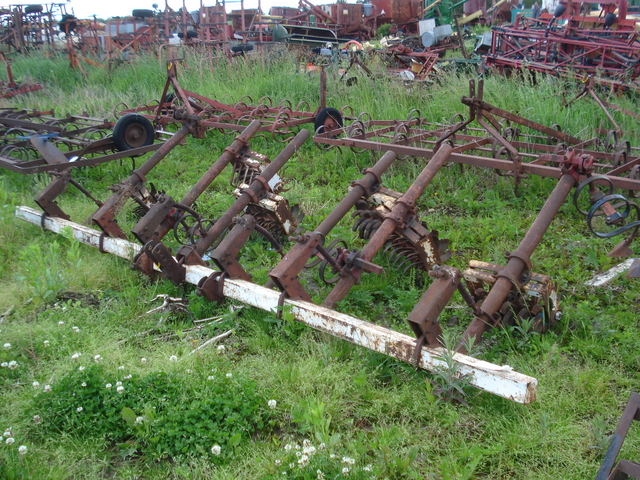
69 20
190 34
243 47
127 121
33 9
323 115
142 13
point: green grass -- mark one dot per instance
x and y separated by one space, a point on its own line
362 405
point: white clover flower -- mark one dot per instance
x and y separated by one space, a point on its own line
272 404
348 461
322 446
173 358
60 323
35 384
320 474
79 409
47 388
211 377
75 356
216 449
75 329
310 450
297 447
292 465
221 348
7 433
7 346
97 358
9 441
108 385
367 468
127 377
36 419
278 462
46 343
332 456
118 384
4 364
139 420
83 384
345 470
121 367
298 454
81 368
22 449
306 442
229 375
287 447
284 473
120 389
143 360
12 365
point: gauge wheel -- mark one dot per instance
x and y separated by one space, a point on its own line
328 119
132 131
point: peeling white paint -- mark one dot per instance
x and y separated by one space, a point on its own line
496 379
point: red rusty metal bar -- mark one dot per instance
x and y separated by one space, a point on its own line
105 216
157 222
393 221
511 276
191 254
285 274
631 413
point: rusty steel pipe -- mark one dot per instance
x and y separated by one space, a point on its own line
157 222
104 217
396 217
284 275
229 154
519 261
364 187
247 196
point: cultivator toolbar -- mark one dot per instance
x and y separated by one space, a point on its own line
385 220
500 380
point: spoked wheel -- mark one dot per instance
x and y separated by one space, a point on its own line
132 131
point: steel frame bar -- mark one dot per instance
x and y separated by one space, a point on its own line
285 274
631 413
105 216
499 380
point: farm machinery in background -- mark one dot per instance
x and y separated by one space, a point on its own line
572 42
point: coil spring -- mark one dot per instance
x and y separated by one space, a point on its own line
401 252
620 217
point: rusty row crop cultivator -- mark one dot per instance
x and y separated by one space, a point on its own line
384 219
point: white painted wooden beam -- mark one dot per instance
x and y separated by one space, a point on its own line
499 380
605 277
